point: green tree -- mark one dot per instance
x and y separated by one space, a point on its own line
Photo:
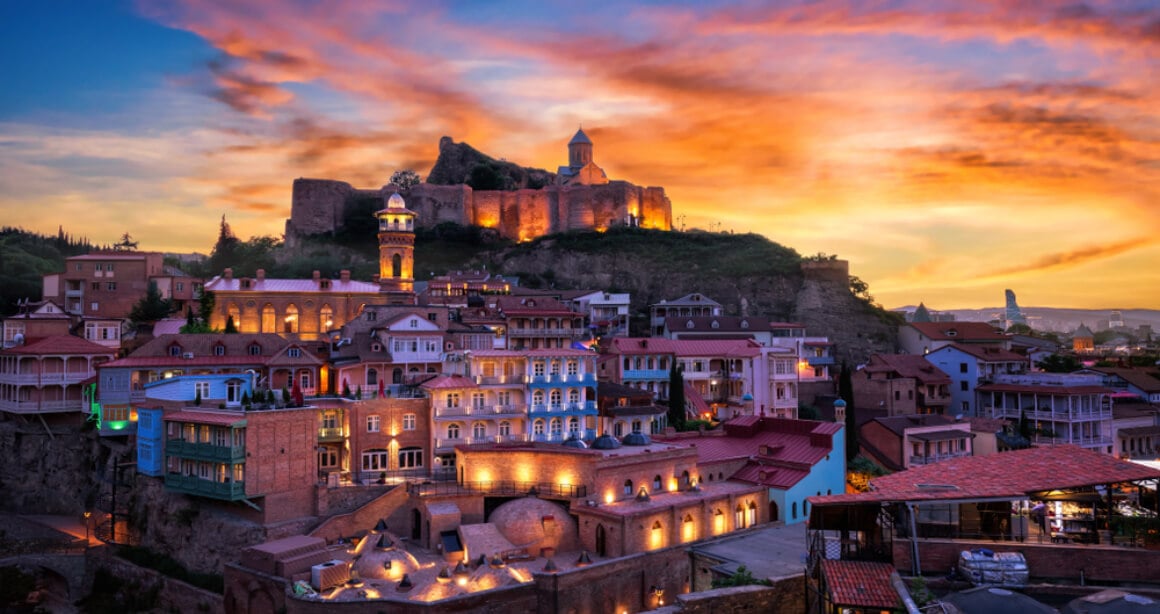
741 577
226 251
231 328
1057 363
676 414
485 177
197 399
406 178
206 302
808 412
151 307
1020 328
1025 426
846 392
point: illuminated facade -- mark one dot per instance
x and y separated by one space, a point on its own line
47 376
397 251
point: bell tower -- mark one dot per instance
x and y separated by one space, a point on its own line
397 252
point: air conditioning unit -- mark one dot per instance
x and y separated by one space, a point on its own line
187 355
329 574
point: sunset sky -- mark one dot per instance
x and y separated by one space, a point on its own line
948 150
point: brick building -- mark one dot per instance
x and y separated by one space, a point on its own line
108 284
900 442
899 385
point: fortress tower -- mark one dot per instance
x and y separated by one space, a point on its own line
397 252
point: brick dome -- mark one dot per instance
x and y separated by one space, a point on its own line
534 524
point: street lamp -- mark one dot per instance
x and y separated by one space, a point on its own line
88 515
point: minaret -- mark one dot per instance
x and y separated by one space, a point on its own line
397 252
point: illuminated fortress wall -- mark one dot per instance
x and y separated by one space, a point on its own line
319 206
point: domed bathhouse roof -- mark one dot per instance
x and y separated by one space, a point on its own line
605 442
574 441
636 439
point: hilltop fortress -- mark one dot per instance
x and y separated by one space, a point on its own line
578 196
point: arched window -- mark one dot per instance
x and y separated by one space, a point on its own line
685 479
372 377
396 266
325 318
269 319
739 517
478 431
538 427
573 426
628 488
233 312
718 521
805 508
397 376
793 510
290 321
636 426
453 431
656 483
751 514
505 428
556 427
688 529
538 397
573 396
618 429
554 399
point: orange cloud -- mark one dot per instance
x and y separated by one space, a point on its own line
1071 258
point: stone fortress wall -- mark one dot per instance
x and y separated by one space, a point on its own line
319 206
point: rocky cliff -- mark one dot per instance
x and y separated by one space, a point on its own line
457 160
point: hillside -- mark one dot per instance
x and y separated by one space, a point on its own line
748 274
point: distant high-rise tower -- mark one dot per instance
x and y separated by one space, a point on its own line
1014 314
1116 320
397 251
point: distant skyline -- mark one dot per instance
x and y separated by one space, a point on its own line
948 150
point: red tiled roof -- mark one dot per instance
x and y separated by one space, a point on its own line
178 361
860 584
1006 474
1044 389
1140 378
788 440
59 344
638 345
542 306
207 417
713 347
447 382
986 353
908 365
959 331
770 476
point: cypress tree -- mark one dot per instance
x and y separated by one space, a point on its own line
846 392
676 414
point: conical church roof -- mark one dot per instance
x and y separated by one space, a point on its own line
580 138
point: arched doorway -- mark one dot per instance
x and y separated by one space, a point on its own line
416 525
600 541
773 517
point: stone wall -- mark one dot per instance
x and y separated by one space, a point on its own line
174 596
45 472
784 597
364 518
319 206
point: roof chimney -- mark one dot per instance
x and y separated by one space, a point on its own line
344 275
261 274
317 276
229 274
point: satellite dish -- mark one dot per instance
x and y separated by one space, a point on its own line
18 338
958 417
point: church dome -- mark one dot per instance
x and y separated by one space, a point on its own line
396 202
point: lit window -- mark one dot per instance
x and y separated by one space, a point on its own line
373 424
408 422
